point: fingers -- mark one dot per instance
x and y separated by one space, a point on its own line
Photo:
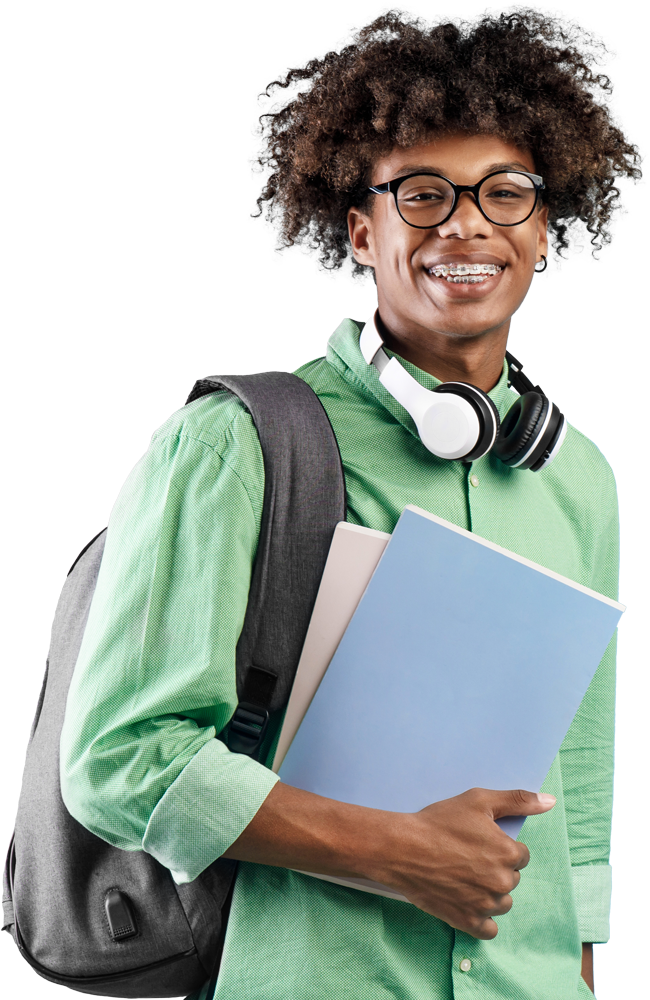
480 922
513 855
481 864
486 931
523 856
518 802
504 906
485 927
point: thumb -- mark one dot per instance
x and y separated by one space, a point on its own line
518 802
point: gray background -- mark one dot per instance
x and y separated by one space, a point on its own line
278 314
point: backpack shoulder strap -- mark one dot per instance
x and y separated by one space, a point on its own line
304 499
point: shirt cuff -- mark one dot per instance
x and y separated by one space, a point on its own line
206 808
592 889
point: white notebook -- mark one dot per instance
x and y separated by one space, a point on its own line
353 556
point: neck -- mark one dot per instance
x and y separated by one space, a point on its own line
475 359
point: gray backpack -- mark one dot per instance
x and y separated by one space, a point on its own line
113 923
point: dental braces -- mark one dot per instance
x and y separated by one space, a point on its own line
451 271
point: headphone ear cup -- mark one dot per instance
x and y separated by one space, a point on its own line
486 411
520 426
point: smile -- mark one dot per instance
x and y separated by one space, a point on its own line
465 274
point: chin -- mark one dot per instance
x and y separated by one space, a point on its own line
464 322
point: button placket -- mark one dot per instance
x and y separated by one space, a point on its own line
466 966
478 491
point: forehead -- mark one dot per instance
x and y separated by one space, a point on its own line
462 158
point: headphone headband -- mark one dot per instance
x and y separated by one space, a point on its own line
458 420
517 379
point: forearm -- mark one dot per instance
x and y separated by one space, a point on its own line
588 965
297 829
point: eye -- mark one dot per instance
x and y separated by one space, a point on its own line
508 186
503 193
423 196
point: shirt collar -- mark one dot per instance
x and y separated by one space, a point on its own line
344 354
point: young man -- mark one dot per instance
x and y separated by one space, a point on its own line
392 129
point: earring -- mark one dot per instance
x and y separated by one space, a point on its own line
543 268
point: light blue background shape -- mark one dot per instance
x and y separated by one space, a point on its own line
461 667
606 377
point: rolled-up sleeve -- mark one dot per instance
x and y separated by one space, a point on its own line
155 680
592 888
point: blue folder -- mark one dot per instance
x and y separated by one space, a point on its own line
463 666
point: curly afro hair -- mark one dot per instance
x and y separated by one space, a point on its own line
522 76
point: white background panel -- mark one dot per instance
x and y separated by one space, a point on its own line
111 204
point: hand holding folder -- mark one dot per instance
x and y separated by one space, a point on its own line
450 859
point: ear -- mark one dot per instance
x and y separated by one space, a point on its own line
361 237
542 233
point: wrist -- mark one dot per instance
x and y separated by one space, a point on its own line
382 847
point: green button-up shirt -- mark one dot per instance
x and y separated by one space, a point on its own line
155 682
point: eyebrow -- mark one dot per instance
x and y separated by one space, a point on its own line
417 168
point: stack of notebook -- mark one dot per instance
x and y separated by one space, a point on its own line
435 662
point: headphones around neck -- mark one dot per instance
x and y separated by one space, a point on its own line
459 421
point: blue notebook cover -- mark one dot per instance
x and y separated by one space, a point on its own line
462 666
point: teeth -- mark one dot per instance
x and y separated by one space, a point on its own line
456 272
458 280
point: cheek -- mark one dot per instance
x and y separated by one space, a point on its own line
524 243
394 240
397 246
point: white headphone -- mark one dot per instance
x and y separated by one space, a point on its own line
459 421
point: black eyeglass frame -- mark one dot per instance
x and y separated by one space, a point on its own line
394 185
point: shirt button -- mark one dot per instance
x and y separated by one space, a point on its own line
465 965
474 481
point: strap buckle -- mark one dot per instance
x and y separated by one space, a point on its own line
247 728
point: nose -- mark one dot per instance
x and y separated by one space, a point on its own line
466 221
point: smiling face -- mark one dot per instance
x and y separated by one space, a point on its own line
424 315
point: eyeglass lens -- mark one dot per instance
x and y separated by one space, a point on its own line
506 199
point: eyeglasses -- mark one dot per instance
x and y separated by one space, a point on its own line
424 201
